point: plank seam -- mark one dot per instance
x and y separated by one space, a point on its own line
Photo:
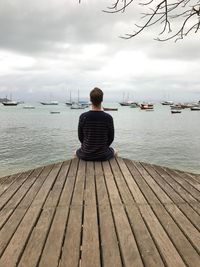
177 224
114 223
158 220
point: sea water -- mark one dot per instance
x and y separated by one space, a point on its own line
34 137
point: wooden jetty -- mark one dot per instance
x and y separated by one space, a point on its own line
91 214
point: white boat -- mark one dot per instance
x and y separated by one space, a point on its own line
167 103
70 102
147 106
10 103
49 103
197 108
29 107
77 106
176 107
126 102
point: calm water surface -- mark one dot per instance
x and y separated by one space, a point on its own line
32 138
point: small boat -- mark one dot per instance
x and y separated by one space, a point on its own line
10 103
146 106
77 106
69 103
54 112
134 105
165 103
49 103
29 107
197 108
127 103
110 109
176 107
173 111
187 105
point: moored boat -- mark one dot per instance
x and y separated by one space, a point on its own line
28 107
165 103
127 103
146 106
54 112
197 108
110 109
134 105
175 111
176 107
10 103
78 106
49 103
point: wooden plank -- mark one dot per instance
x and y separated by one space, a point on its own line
7 181
16 245
72 243
192 215
90 243
190 179
110 252
110 183
11 225
54 195
154 171
147 248
169 188
78 195
52 250
13 188
147 175
33 249
71 251
18 196
188 187
175 185
51 203
188 210
90 190
164 244
123 189
102 193
144 187
180 241
67 192
133 187
187 227
129 250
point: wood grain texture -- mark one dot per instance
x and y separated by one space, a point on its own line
92 214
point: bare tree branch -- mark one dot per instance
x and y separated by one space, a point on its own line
183 15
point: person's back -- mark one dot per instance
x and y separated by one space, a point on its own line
95 131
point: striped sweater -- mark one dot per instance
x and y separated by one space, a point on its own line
96 133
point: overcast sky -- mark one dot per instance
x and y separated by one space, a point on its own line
51 47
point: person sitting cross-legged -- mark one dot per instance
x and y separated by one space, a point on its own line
96 131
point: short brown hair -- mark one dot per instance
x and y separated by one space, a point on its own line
96 96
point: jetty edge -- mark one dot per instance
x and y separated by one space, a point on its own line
114 213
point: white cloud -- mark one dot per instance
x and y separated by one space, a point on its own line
55 46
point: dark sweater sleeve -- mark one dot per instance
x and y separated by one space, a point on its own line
80 129
110 132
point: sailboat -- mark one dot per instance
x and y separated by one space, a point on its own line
127 102
78 105
69 103
10 102
49 103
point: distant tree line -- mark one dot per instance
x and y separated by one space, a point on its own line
177 18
